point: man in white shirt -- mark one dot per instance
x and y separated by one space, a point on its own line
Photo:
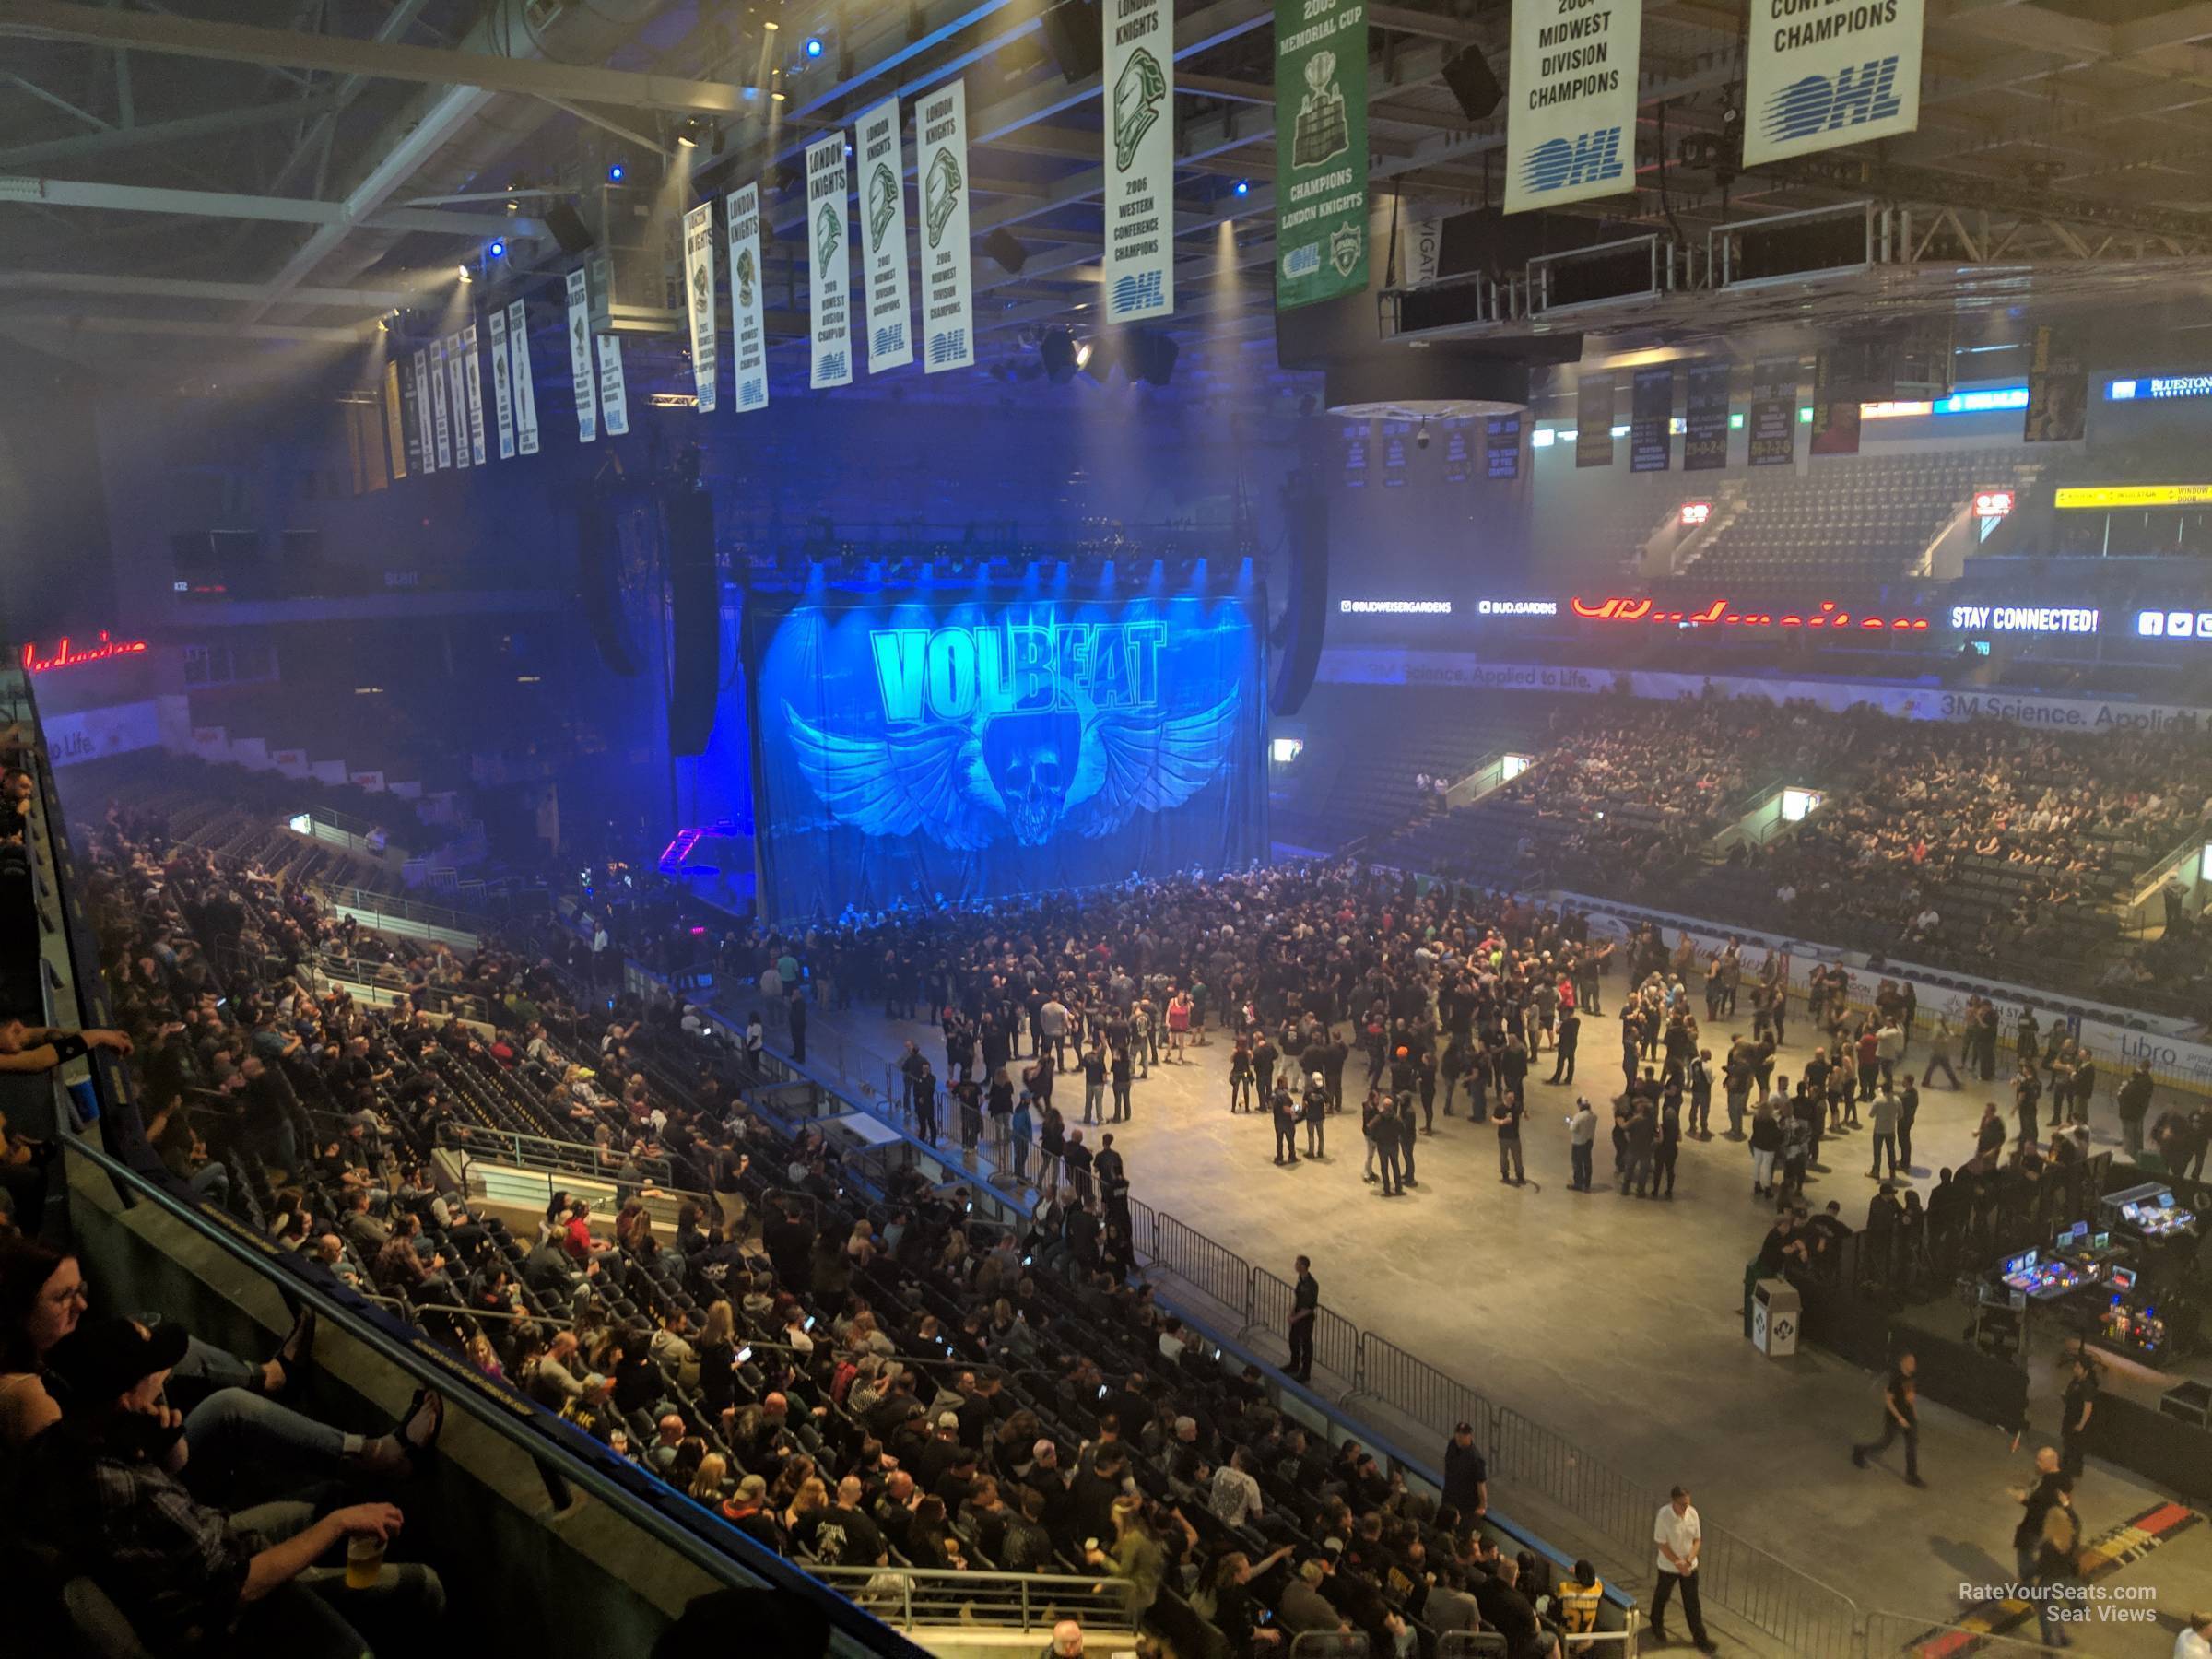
1680 1538
2196 1639
1235 1496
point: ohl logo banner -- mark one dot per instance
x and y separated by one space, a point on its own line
978 746
1820 73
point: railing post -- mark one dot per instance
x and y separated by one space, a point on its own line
1251 1293
1359 1361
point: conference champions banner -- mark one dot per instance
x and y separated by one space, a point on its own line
1829 72
1773 411
1705 415
2058 388
749 330
883 237
1320 150
426 446
472 381
457 397
438 393
947 279
581 372
1140 136
613 394
698 290
396 430
1651 418
525 388
829 265
1571 118
1593 421
986 743
502 389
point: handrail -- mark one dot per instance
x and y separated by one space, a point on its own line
342 896
693 1531
1027 1601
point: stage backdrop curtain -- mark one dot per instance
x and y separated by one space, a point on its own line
943 746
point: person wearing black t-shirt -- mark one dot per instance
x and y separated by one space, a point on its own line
2035 1501
1305 1304
1898 1419
2080 1411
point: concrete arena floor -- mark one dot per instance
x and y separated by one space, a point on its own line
1615 1320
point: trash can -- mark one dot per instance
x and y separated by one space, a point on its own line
1776 1313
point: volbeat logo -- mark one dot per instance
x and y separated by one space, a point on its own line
1586 159
1818 103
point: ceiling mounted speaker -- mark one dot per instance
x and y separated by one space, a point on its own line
568 230
1474 88
1002 246
1071 32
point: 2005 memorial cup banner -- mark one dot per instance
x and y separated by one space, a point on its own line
1571 104
698 292
882 160
1320 150
948 280
829 265
1139 162
748 331
1820 73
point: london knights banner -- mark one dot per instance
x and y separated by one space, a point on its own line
526 387
947 279
829 265
503 388
1139 140
440 383
472 383
1320 150
985 742
455 394
427 450
1828 73
882 160
1571 111
699 291
749 330
584 378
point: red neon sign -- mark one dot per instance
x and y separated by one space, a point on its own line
1720 613
1696 513
64 657
1992 503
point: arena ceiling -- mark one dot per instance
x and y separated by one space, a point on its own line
214 174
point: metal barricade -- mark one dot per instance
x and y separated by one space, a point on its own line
1336 1338
1214 1270
1891 1633
1419 1390
1472 1645
1331 1644
909 1598
1811 1617
1526 1456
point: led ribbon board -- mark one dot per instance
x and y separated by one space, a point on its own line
2133 495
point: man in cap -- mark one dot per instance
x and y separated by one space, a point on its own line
101 1489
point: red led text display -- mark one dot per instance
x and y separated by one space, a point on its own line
1827 616
69 654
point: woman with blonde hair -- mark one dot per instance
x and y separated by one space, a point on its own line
707 1482
811 1496
1137 1556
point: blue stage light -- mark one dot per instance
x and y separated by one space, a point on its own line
814 46
1243 186
497 249
615 172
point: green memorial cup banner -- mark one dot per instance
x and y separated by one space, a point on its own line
1320 150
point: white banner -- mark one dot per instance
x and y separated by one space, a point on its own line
947 279
438 387
472 381
526 389
502 393
883 237
395 427
748 331
1424 251
1140 157
1570 120
90 734
699 287
1836 72
458 398
613 396
829 265
580 358
423 421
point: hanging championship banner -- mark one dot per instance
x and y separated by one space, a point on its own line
1139 138
1833 72
1774 411
614 397
1570 123
526 389
2058 387
698 285
1705 415
502 391
396 430
1320 149
1593 421
457 397
1839 377
1457 454
1356 444
829 265
426 446
1502 447
580 357
883 237
1651 418
748 332
948 280
437 405
472 381
1394 434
